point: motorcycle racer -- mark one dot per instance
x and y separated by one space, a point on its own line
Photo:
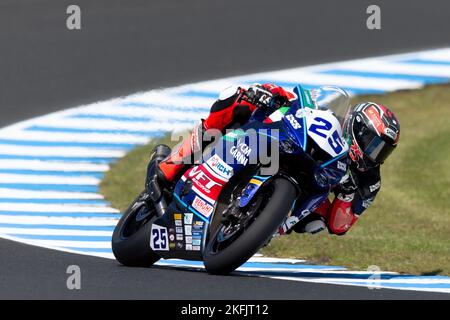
373 132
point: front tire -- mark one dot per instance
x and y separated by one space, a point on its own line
224 260
131 237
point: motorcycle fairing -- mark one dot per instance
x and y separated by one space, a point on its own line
305 121
186 234
195 195
200 186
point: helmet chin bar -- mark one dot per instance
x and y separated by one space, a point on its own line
358 157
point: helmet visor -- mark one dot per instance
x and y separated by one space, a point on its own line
378 150
373 146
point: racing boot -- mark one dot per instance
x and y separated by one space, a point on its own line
154 191
315 222
182 155
312 224
160 152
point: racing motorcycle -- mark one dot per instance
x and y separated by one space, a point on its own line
225 208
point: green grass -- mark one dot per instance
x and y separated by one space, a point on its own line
125 181
407 229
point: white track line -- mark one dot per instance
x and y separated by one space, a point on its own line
437 55
311 78
70 244
95 124
48 179
29 194
52 166
396 68
55 232
157 113
60 151
368 284
31 207
67 221
73 137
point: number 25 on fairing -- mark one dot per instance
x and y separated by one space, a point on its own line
159 238
334 141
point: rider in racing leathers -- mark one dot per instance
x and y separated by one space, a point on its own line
372 129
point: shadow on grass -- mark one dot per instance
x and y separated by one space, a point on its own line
432 273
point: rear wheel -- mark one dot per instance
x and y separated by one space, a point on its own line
131 237
241 232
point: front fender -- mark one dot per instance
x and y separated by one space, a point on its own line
304 209
252 187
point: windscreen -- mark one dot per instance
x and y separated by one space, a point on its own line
332 98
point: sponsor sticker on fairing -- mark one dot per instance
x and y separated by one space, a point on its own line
342 166
205 183
178 223
288 224
196 242
179 237
202 206
188 240
220 167
294 123
197 229
241 153
188 230
189 247
188 218
179 230
196 248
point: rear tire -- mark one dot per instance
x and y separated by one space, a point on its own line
256 235
131 237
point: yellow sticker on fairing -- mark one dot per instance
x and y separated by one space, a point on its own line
177 216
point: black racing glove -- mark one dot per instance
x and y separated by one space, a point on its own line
258 96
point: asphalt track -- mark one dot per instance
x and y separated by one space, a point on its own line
46 278
127 46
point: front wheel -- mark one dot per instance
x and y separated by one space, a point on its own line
234 241
131 237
